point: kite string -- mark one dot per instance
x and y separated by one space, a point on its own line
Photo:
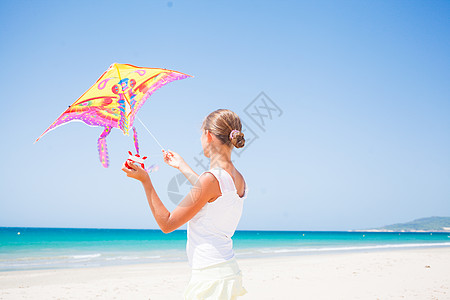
162 148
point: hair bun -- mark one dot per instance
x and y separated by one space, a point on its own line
226 126
237 139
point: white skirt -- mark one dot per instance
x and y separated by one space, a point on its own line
222 281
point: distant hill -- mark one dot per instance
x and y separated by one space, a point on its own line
424 224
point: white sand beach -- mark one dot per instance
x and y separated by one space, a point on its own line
395 274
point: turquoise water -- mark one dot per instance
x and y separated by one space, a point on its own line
47 248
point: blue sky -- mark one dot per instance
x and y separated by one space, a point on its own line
361 138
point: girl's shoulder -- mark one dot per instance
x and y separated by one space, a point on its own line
240 184
230 179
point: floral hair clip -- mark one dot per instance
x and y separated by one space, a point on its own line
232 133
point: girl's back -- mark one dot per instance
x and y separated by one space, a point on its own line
210 230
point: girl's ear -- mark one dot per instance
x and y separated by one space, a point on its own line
208 136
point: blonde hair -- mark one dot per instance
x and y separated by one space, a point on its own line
226 126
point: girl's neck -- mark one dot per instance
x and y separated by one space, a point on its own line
221 159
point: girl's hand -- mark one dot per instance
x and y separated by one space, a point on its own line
173 159
137 172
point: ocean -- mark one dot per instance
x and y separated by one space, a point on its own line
52 248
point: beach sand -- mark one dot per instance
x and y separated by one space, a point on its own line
395 274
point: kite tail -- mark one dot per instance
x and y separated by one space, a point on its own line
102 148
135 138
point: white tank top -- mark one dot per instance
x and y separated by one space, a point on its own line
209 232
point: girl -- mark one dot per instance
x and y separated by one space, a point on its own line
212 209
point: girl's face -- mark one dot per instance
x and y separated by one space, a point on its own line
204 141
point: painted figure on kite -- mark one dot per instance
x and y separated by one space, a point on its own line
115 99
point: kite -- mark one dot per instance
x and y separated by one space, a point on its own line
114 100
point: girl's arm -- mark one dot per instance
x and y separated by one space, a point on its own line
205 189
173 159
